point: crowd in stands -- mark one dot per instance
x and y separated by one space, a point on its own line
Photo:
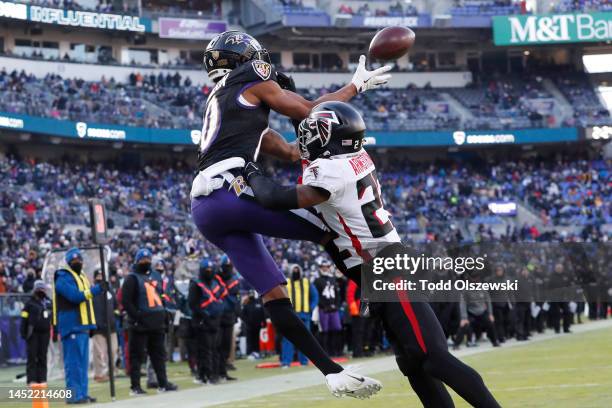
43 207
171 101
587 109
151 204
565 6
488 7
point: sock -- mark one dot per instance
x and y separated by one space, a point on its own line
291 327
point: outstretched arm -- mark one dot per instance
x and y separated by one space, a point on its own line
270 195
296 107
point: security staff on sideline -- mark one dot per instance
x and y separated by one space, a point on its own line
73 314
204 299
147 323
36 331
231 307
304 297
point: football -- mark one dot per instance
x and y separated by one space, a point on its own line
391 43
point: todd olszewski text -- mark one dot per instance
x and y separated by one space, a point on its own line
460 284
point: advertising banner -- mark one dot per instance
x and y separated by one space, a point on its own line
75 18
552 28
119 133
189 29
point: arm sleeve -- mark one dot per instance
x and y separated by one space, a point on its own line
68 289
128 297
322 174
271 195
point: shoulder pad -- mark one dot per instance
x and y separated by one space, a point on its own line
262 69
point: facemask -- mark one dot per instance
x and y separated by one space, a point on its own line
40 294
76 266
143 268
295 275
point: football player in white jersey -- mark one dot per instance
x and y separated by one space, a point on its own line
341 183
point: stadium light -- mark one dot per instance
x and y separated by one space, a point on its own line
597 63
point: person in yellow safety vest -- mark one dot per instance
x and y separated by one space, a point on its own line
304 297
73 314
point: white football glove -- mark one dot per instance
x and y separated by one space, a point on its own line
364 79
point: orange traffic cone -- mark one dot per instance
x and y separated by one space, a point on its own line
39 400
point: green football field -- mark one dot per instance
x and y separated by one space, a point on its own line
573 370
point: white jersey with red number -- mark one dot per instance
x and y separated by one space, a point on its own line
355 209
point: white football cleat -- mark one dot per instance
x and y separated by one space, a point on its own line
352 384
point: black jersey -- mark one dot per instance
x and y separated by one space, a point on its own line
232 127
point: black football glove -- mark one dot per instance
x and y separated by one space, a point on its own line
251 169
286 82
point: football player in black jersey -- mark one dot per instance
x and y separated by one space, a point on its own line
235 131
341 181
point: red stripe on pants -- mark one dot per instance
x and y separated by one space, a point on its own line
409 312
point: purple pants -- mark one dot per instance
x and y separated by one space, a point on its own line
329 321
234 224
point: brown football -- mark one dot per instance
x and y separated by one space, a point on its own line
391 43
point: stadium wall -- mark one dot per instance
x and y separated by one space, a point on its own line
114 133
93 72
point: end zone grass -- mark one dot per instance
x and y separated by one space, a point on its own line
573 370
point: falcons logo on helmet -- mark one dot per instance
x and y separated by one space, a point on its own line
318 127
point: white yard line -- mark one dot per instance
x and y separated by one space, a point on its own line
287 381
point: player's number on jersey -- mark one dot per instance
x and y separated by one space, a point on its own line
212 121
329 292
369 209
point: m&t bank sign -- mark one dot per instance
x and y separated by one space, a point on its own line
552 28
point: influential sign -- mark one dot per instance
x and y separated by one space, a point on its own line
74 18
89 19
552 28
189 29
13 10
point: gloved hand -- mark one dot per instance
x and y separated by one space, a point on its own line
251 169
285 82
364 79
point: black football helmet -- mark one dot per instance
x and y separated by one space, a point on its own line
230 49
332 128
